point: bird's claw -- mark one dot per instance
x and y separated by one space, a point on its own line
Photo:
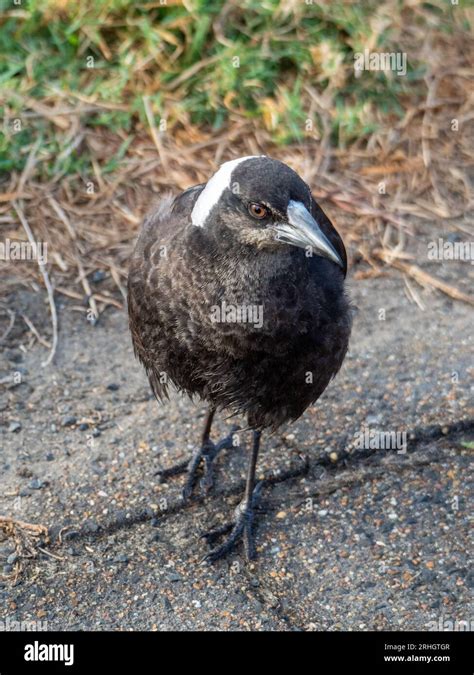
241 527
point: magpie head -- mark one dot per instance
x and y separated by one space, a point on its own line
261 202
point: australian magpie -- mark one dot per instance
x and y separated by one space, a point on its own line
236 295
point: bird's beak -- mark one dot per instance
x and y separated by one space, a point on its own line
303 231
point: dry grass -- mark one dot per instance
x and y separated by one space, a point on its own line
411 169
26 538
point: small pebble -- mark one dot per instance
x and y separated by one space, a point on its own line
167 604
173 577
69 421
14 427
98 276
373 419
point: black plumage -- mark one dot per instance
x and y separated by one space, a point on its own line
236 295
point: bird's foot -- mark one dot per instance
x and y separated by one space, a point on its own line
205 457
242 527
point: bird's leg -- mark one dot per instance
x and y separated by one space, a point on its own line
242 526
205 454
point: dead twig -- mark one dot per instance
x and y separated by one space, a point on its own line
97 296
423 278
154 133
8 525
7 331
48 553
35 332
47 283
82 275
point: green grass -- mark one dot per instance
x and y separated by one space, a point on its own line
141 48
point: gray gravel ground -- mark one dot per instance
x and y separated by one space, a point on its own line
350 538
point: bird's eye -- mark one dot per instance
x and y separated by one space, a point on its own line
257 211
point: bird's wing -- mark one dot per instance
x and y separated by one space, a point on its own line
145 290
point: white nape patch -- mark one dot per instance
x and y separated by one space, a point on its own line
214 188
